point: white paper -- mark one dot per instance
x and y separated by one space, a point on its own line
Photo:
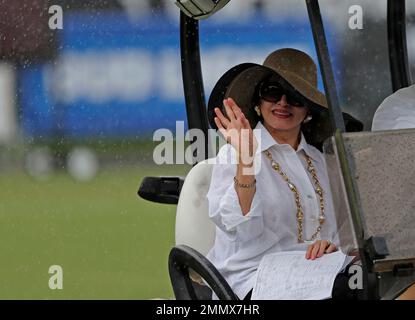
290 276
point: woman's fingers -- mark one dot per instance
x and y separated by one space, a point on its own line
332 248
222 118
235 115
218 124
323 246
239 115
319 248
309 249
236 110
232 103
245 121
315 250
235 128
229 111
221 128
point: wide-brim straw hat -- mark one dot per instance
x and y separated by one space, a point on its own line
295 72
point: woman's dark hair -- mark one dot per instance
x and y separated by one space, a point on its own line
256 101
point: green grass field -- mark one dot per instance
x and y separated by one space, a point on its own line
110 243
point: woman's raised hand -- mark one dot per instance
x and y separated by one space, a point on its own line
236 130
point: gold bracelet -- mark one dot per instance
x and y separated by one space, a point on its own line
244 185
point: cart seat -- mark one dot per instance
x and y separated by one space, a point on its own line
193 225
189 270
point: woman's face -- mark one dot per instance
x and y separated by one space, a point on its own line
282 116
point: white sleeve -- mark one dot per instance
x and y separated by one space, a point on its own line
224 207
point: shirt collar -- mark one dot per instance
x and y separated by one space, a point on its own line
268 141
308 149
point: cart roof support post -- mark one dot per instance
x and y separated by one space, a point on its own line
398 52
325 65
192 78
338 128
335 112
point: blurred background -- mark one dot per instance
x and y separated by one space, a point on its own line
78 109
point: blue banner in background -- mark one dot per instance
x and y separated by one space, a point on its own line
115 78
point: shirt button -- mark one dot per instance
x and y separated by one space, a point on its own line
309 196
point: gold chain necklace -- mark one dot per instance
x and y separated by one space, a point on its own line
319 191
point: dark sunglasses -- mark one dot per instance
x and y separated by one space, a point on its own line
272 92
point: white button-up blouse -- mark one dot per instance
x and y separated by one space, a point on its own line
271 224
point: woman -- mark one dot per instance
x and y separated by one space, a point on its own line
284 202
270 190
